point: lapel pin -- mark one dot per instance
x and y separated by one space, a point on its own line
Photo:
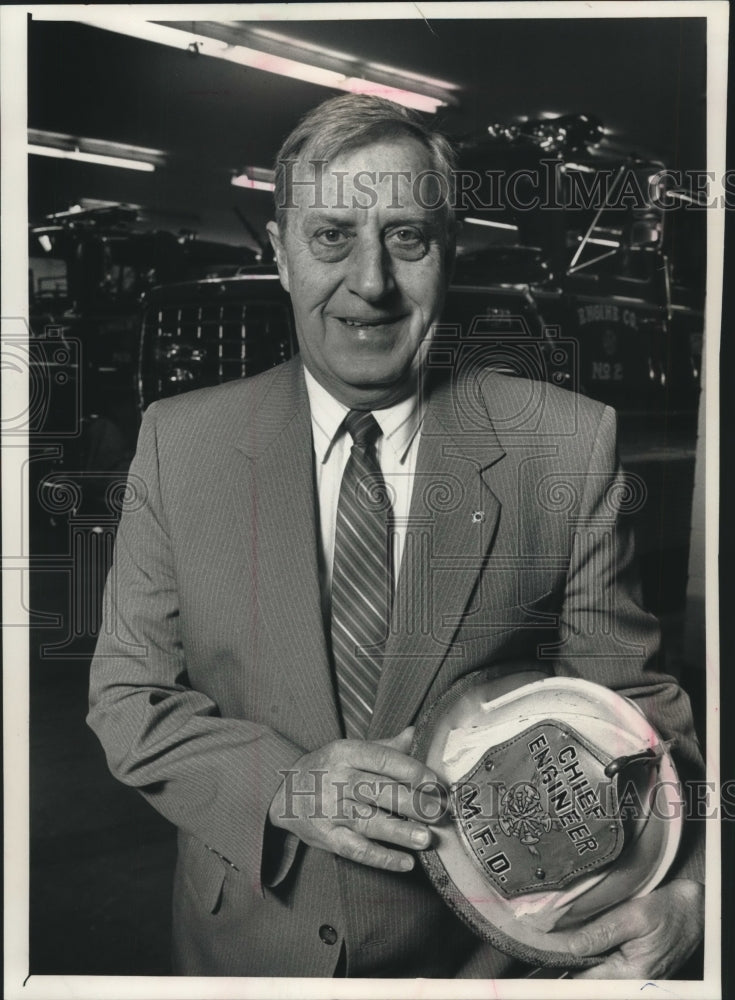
478 516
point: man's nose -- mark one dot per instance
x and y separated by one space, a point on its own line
370 274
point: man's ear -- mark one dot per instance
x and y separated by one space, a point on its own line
274 235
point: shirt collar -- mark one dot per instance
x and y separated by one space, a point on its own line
399 423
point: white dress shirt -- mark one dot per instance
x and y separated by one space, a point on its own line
396 449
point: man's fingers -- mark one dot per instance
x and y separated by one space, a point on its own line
609 931
649 938
392 830
385 761
403 784
424 803
355 847
366 793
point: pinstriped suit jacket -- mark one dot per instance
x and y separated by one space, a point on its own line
212 669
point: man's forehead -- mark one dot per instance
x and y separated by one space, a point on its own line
374 153
396 175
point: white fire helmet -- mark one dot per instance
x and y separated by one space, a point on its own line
564 802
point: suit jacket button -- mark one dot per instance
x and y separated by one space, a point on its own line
328 934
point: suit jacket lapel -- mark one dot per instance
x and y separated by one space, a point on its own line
452 524
274 484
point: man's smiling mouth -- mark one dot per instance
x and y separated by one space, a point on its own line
368 323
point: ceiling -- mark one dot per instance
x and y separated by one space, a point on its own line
644 77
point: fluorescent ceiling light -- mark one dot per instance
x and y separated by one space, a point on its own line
345 74
258 277
269 41
86 150
243 181
361 75
490 222
255 178
75 154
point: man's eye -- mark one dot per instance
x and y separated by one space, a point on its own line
331 237
331 244
407 236
407 243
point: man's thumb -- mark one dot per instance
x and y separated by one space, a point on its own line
400 742
600 935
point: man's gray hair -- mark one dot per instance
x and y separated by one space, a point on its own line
350 122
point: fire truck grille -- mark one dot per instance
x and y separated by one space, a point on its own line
189 346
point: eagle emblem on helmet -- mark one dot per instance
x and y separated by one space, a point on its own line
522 814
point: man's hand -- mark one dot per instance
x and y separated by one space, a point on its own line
651 936
350 794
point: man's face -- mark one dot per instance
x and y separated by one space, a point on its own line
368 272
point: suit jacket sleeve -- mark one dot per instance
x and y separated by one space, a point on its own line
213 777
602 620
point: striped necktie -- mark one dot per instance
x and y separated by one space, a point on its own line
362 589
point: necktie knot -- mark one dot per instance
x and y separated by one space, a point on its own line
364 429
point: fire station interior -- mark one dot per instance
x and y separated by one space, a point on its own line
150 185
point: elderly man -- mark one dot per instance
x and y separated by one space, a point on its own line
312 556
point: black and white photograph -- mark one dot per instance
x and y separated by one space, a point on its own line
360 435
